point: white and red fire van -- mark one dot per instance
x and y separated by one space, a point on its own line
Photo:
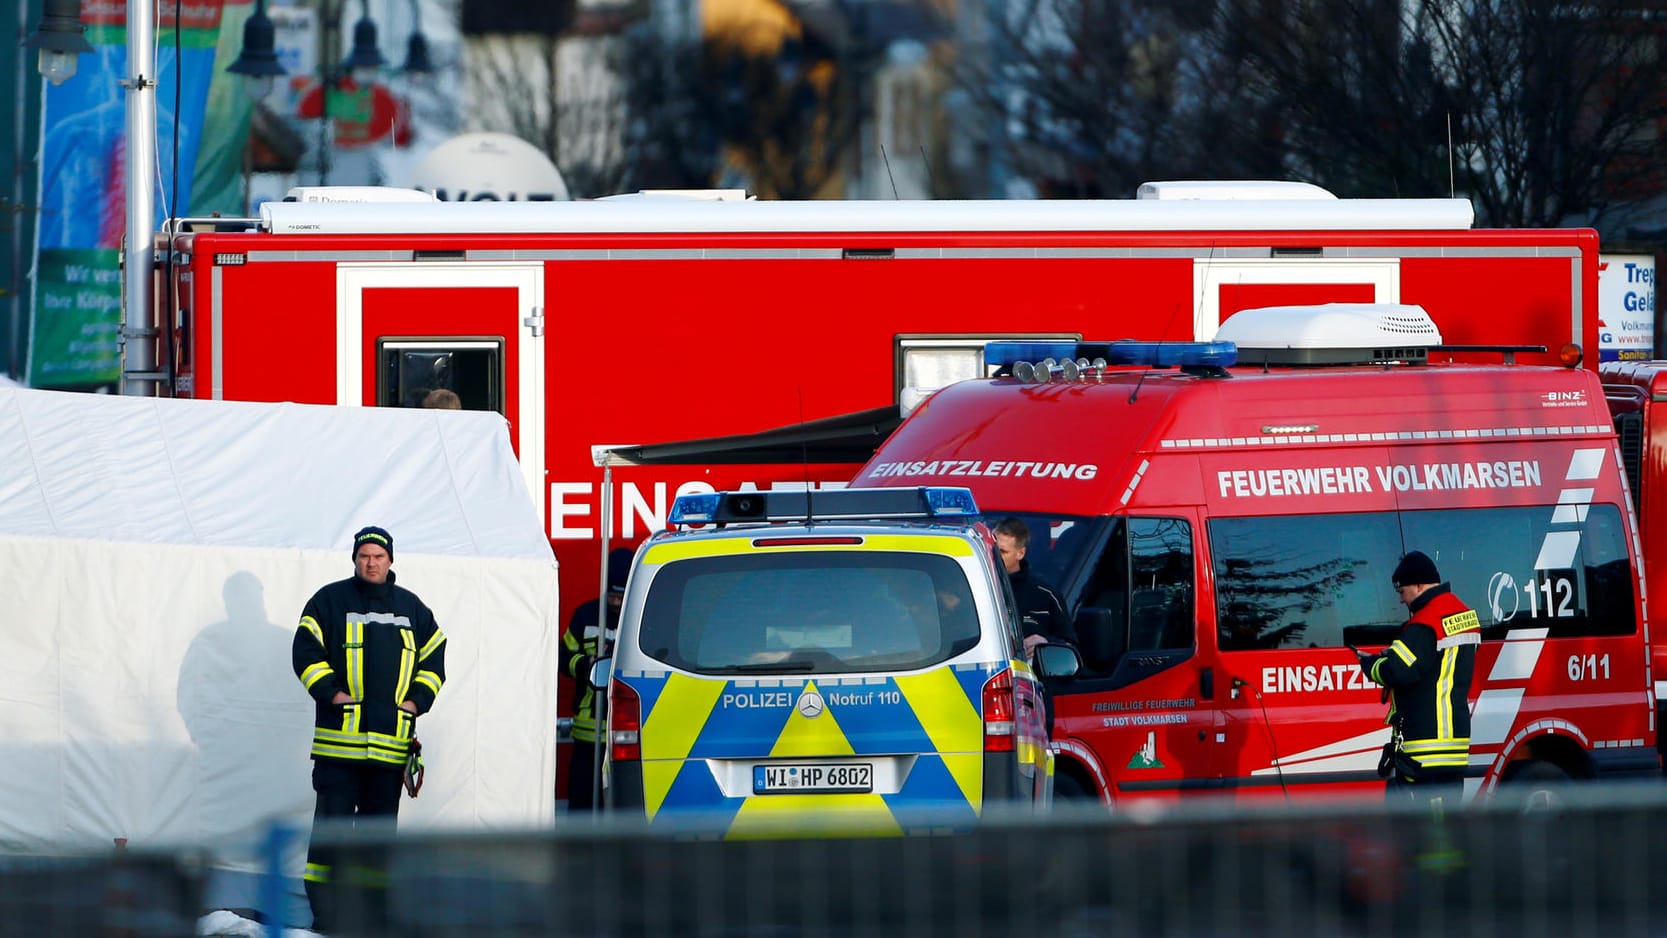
1222 532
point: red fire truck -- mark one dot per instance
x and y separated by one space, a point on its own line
644 320
1222 534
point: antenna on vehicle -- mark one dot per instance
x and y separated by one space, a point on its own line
889 176
804 455
1239 684
925 163
1452 190
1203 283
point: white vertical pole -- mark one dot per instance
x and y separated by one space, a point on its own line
139 330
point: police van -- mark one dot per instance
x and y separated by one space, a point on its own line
1222 518
841 659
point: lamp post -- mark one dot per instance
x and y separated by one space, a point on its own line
140 377
60 40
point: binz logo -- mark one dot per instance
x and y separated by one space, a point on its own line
1563 398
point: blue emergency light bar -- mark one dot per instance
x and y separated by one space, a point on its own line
1121 352
925 502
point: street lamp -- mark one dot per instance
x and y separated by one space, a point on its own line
417 63
258 62
59 39
365 58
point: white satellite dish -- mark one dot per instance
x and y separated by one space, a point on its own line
489 167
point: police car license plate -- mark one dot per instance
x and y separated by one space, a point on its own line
798 779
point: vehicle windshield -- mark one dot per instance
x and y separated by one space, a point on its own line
808 611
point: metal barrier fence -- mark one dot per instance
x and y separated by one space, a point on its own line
1594 863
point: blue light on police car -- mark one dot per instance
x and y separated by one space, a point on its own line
946 501
699 508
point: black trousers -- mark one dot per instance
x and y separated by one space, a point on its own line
1445 788
346 790
581 777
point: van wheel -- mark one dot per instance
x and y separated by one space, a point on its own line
1537 785
1068 786
1542 865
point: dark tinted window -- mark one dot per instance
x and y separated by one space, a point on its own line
408 369
1139 596
1323 580
816 611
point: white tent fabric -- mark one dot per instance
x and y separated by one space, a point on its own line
154 558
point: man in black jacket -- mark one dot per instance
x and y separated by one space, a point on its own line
372 658
1428 670
1039 606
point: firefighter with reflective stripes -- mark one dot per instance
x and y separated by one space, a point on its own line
578 651
1427 671
372 658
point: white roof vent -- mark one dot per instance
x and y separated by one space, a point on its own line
1331 334
357 194
691 195
1230 189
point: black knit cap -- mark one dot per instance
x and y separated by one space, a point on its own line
1415 567
374 535
619 568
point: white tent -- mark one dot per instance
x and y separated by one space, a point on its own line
154 559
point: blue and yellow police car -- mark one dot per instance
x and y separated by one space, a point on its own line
849 660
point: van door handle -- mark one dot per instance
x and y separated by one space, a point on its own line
1207 683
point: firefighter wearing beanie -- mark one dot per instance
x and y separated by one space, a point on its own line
372 658
1426 672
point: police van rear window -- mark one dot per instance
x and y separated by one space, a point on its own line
824 612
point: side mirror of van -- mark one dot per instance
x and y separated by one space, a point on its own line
600 670
1057 661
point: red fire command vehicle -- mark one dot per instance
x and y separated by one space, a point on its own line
1222 534
643 320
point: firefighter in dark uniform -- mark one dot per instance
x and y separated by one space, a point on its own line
1427 671
579 650
372 658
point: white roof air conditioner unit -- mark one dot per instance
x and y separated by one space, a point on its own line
1331 333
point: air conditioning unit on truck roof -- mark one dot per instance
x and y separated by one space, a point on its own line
1331 334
